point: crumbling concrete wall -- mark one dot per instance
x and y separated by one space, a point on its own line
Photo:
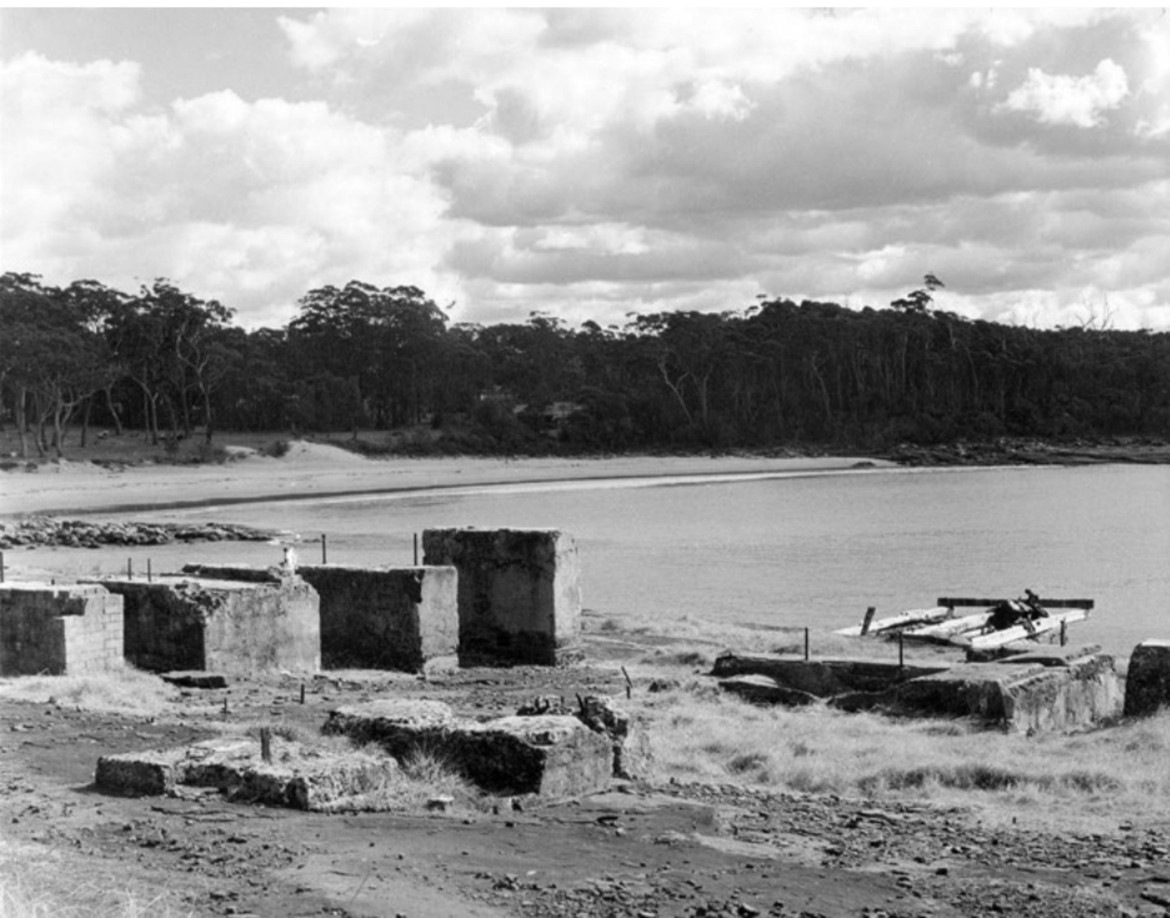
385 618
1053 694
228 626
519 593
59 630
1147 684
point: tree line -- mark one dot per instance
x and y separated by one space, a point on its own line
773 374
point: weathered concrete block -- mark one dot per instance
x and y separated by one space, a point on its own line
519 593
59 630
299 777
822 678
224 626
1147 685
385 618
553 755
1031 697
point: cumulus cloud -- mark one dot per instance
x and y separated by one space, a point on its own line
594 162
1067 100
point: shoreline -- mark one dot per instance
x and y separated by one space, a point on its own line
314 471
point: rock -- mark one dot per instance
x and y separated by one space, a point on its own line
193 679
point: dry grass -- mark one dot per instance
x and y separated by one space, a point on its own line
37 882
699 733
124 691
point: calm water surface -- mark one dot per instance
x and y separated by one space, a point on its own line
799 550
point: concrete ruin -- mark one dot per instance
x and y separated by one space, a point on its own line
1147 684
550 754
235 627
519 593
298 776
372 617
385 618
59 630
1049 689
1064 689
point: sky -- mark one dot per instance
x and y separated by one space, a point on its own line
591 163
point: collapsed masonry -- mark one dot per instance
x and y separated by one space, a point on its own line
532 752
1061 688
59 630
519 593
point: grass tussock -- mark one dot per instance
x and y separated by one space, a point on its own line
35 882
123 691
710 736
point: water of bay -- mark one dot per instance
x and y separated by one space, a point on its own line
804 550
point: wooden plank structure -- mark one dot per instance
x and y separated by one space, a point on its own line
980 630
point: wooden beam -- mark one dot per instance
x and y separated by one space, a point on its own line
1047 603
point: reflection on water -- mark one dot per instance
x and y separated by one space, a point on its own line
799 550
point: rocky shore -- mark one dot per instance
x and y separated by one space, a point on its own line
43 531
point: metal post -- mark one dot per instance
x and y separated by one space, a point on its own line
1 567
149 577
805 645
302 693
901 651
324 548
1063 632
266 744
129 569
416 549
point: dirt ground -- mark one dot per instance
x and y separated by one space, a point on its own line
635 850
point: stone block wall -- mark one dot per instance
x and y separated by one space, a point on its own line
385 618
59 630
227 626
519 593
1147 684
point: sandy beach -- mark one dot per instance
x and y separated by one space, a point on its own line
311 469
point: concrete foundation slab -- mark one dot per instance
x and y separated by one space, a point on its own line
1028 697
299 777
1147 685
59 630
519 593
224 626
554 755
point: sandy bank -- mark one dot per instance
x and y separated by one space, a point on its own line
315 470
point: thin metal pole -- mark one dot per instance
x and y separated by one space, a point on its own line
1063 631
901 650
129 569
324 548
805 645
148 571
416 549
1 567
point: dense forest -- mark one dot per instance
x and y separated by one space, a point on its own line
773 374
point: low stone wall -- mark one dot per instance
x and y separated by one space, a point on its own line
519 593
227 626
385 618
820 678
1147 684
59 630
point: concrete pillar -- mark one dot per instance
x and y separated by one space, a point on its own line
59 630
385 618
519 593
1147 684
226 626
